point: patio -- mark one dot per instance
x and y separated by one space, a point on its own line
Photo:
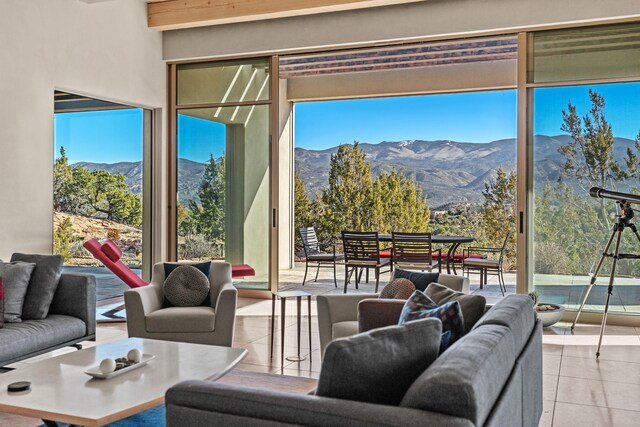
292 279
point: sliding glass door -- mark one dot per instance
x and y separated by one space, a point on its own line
223 167
585 87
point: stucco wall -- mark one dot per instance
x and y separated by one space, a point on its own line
103 50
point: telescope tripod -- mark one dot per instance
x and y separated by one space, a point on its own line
623 221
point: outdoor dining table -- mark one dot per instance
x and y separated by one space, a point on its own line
454 241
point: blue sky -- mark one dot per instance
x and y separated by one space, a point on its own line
113 136
468 117
108 136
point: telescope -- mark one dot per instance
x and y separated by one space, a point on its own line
623 221
601 193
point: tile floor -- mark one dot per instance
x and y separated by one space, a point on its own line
578 390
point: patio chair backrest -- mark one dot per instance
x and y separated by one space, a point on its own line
504 246
361 246
309 240
411 248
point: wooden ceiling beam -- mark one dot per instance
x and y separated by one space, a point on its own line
175 14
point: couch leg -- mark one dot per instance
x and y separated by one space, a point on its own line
77 346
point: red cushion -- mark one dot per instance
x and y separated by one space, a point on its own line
242 270
385 254
458 257
123 272
111 250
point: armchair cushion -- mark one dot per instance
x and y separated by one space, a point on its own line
379 366
472 306
181 319
42 285
420 280
186 286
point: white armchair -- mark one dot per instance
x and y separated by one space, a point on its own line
338 314
213 325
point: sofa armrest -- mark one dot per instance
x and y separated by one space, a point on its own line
226 313
76 296
201 403
337 308
378 313
139 302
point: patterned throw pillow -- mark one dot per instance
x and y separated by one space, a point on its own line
186 286
169 267
420 306
398 289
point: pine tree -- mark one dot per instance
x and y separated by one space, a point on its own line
303 214
398 204
498 216
208 215
348 199
61 177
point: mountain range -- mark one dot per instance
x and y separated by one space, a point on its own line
449 172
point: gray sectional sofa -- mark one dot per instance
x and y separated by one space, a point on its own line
71 319
490 377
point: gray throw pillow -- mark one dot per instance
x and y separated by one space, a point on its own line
472 306
379 366
15 281
1 302
43 284
186 286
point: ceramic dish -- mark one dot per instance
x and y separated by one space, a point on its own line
95 371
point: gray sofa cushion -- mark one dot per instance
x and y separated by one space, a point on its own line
15 279
1 303
35 335
43 283
379 366
516 313
466 380
472 306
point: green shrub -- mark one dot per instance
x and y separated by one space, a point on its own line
62 237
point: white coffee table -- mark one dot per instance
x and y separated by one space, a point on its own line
61 391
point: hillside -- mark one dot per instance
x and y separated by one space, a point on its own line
449 172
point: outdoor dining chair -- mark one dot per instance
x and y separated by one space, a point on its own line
362 252
488 265
413 251
313 253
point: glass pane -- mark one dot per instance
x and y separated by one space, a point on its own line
585 136
223 187
98 185
218 82
586 53
418 171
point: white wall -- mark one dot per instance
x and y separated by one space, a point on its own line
104 50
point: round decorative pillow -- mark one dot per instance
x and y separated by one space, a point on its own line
186 286
398 289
